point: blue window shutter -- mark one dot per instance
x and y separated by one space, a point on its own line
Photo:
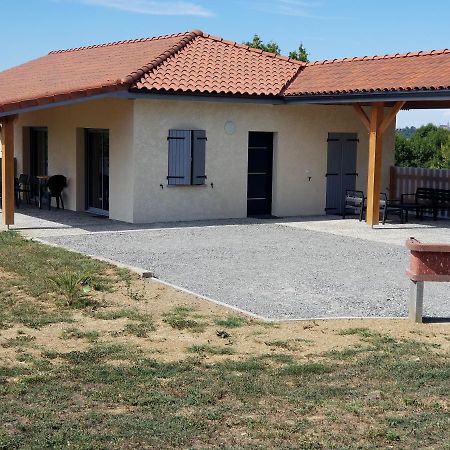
180 157
198 156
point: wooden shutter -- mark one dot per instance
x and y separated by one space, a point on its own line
198 156
180 157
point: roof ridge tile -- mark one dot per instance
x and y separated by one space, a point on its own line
126 41
378 57
139 73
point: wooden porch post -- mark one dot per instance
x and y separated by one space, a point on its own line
376 125
8 170
374 169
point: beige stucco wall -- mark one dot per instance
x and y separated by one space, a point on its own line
300 151
66 148
138 155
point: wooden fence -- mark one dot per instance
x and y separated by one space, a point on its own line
405 180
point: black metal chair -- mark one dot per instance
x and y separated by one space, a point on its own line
24 187
354 204
54 188
16 192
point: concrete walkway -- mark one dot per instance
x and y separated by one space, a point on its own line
282 269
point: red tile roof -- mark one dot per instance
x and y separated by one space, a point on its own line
212 65
85 71
195 62
399 72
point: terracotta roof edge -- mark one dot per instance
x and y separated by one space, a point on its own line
58 96
379 57
127 41
139 73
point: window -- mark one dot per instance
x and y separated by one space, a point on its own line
187 150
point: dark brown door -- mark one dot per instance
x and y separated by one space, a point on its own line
260 166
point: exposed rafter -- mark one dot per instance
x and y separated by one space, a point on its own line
362 115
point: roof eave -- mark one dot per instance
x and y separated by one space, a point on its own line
59 100
135 94
371 97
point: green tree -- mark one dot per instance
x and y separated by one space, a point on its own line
272 47
257 42
442 159
301 54
404 156
428 146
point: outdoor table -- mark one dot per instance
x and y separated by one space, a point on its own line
404 208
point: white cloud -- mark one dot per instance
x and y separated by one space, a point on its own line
153 7
297 8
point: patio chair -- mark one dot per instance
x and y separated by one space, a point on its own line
54 188
420 201
16 193
354 203
383 208
24 187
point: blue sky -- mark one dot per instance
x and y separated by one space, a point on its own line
327 28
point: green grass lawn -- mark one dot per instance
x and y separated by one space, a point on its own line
105 381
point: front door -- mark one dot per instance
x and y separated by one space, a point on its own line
341 169
260 162
97 171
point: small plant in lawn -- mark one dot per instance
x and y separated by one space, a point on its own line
74 288
210 349
178 319
124 313
34 316
135 295
140 329
279 343
232 322
298 369
75 333
19 341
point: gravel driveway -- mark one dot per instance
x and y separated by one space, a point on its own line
271 270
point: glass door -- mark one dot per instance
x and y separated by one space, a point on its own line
97 171
38 152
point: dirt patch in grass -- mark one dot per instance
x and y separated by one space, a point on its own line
169 322
147 366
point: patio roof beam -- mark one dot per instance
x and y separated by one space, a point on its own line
362 115
391 116
8 170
